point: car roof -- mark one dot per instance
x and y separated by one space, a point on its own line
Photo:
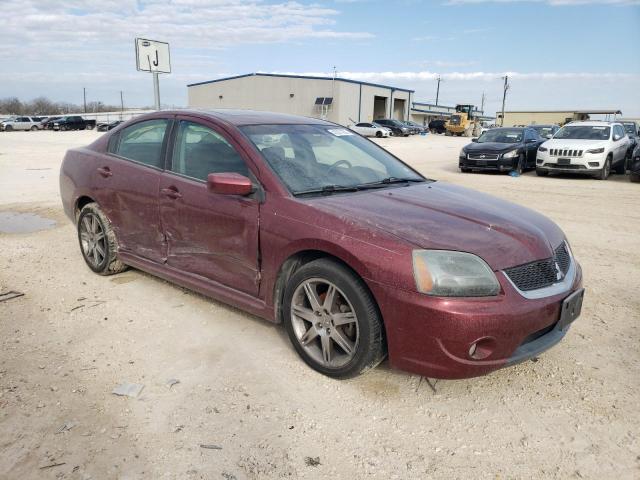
251 117
544 125
593 123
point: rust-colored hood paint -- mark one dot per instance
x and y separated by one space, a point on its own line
444 216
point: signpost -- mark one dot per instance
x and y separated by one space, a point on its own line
153 56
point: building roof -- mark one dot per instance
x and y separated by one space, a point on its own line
475 109
252 117
307 77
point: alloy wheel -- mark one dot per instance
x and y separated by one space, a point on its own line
324 322
93 240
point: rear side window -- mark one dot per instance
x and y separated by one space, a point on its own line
143 142
199 151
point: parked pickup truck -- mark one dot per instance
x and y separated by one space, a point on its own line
73 122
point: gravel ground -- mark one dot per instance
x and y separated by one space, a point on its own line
242 392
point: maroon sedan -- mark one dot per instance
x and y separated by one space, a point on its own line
304 222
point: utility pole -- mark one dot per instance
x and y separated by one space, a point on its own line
482 103
121 102
438 90
504 97
84 96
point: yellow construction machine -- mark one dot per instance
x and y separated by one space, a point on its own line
463 122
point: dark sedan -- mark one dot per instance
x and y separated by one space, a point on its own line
303 222
501 149
398 128
106 126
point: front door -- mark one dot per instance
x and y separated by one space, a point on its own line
208 234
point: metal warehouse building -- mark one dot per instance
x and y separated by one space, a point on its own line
559 117
338 100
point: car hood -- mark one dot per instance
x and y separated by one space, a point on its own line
491 147
574 143
447 217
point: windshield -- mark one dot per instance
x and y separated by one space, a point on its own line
630 128
501 135
326 158
584 132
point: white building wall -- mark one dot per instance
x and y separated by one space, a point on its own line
268 93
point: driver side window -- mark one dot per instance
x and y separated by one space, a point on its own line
199 151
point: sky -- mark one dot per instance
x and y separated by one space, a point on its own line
558 54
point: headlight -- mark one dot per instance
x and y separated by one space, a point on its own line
463 153
511 154
596 150
542 149
445 273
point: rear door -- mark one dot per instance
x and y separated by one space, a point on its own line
22 123
208 234
127 180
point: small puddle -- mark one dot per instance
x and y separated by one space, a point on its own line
13 222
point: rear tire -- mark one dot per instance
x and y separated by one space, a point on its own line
604 172
33 128
333 309
634 177
98 242
379 134
8 128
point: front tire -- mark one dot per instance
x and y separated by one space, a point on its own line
519 167
604 172
98 242
332 320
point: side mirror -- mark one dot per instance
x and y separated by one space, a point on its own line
616 137
229 184
549 135
475 139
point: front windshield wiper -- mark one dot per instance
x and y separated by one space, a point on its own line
389 181
329 189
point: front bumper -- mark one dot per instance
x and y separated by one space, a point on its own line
588 163
433 336
500 164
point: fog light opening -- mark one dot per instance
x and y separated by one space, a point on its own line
594 164
481 349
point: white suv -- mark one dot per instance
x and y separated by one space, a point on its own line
593 148
19 123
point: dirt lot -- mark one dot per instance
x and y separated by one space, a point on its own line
74 336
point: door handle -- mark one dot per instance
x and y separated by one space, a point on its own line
171 192
105 171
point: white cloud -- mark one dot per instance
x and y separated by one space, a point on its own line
551 2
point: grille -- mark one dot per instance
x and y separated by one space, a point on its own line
559 152
482 156
541 273
565 167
